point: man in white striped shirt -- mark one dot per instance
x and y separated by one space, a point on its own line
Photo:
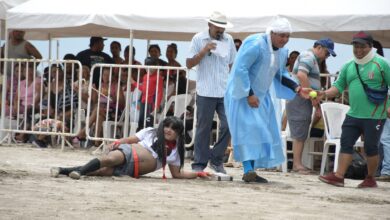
213 51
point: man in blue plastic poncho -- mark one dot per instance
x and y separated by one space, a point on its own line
250 111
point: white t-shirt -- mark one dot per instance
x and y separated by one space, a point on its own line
147 137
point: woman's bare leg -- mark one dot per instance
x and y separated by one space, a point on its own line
112 159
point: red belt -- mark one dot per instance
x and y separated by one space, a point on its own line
136 163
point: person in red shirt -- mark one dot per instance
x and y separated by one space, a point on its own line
152 91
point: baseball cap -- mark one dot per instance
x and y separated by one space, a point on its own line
328 43
362 37
93 40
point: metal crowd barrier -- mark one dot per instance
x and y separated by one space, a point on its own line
35 102
116 93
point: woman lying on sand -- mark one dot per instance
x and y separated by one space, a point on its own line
147 151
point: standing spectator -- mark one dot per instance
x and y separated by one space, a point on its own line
385 142
260 62
152 92
134 71
155 52
171 55
364 116
116 48
237 43
20 48
94 55
299 110
126 54
378 46
212 73
291 60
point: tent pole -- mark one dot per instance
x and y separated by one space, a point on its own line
4 86
49 47
147 47
58 48
127 108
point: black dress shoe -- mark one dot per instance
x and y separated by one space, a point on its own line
249 176
259 179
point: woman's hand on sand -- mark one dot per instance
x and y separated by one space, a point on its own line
204 175
114 145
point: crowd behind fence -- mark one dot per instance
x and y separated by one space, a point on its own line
106 102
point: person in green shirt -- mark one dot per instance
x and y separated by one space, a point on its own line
364 117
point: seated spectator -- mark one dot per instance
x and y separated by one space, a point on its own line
85 77
71 68
109 97
27 97
63 98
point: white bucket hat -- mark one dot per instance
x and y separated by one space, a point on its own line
218 19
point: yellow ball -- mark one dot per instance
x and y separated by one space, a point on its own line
313 94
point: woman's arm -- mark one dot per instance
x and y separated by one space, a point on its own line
130 140
176 173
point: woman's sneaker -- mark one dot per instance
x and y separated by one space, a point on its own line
54 172
39 144
75 175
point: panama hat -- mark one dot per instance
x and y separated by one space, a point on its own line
218 19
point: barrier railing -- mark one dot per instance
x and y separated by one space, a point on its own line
39 102
125 98
113 96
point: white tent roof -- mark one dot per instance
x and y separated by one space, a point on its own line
179 19
7 4
4 6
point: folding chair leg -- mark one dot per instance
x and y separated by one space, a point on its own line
336 157
284 164
324 159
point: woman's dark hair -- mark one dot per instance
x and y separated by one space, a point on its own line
151 61
378 46
117 43
70 56
154 46
57 66
159 145
127 50
173 46
292 52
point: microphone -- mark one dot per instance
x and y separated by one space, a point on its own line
217 37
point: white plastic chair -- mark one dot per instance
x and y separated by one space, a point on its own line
181 101
286 137
307 154
334 115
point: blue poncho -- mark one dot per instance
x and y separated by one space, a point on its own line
256 131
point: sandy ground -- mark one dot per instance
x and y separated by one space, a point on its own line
28 192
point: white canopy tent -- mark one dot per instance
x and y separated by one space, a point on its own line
179 20
6 5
